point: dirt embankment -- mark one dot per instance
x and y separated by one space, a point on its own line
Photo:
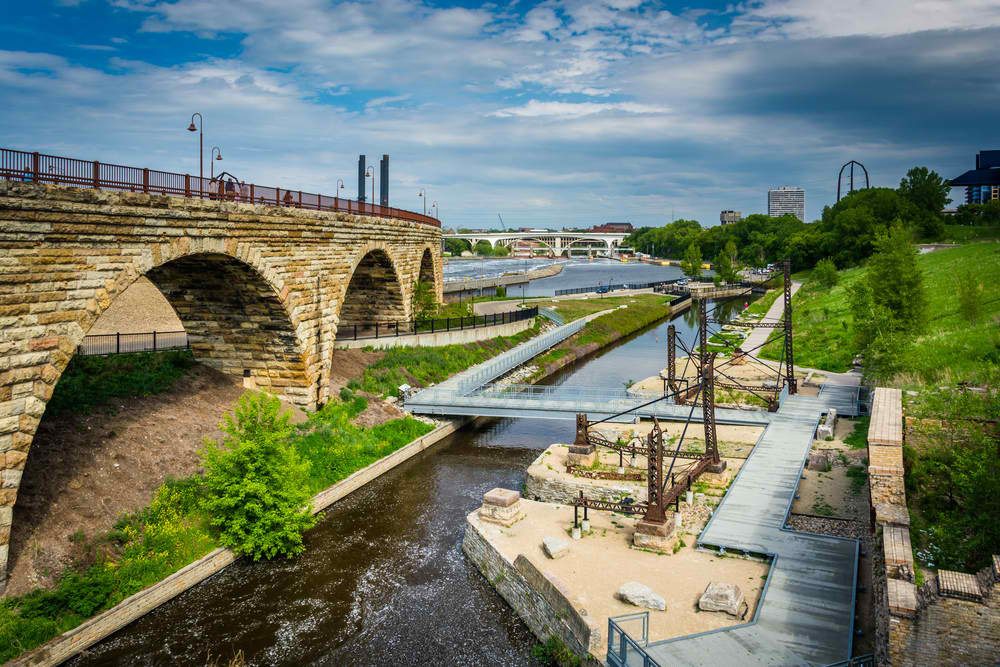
85 471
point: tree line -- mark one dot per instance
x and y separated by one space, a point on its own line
846 232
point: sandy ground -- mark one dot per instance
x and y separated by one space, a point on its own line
830 493
599 563
734 441
139 309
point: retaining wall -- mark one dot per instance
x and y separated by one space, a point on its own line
954 618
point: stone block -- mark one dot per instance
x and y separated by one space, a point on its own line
824 431
719 596
501 497
890 514
555 547
582 456
902 598
655 536
959 585
819 461
641 595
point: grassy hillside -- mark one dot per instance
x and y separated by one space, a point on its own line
949 349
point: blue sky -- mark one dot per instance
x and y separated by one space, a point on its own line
552 113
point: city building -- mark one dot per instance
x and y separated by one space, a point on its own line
786 199
728 217
613 228
981 184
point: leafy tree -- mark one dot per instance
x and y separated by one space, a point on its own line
825 274
456 247
724 269
483 248
925 189
691 264
876 332
424 301
896 280
970 295
255 481
985 215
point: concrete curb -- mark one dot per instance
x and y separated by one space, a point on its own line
88 633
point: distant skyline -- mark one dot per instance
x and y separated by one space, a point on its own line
551 114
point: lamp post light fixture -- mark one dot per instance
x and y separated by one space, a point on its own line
211 162
437 212
340 186
370 171
200 129
423 195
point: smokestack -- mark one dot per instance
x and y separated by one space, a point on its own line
383 185
361 178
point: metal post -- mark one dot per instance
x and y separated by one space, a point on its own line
97 175
118 342
35 166
154 340
672 357
145 179
708 415
654 472
789 360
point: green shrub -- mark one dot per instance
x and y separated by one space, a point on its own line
255 481
555 653
824 274
969 291
858 438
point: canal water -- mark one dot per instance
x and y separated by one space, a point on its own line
383 580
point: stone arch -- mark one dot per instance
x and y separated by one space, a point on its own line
374 292
237 320
427 273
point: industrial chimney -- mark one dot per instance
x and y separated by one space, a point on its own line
361 178
383 185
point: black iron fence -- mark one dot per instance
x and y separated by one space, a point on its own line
119 343
369 330
613 287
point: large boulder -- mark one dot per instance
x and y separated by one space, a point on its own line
723 597
641 596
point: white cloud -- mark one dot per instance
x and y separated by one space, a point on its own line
538 109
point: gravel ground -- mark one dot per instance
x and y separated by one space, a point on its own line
139 309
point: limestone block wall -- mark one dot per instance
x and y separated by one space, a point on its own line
261 289
536 598
954 618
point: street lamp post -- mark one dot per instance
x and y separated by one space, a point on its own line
340 186
370 171
437 212
423 195
200 129
211 161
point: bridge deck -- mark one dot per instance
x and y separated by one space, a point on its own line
806 612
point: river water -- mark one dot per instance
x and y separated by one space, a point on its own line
576 273
383 580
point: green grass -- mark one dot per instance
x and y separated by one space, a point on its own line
173 530
642 310
760 306
422 366
965 233
90 382
949 349
574 309
858 438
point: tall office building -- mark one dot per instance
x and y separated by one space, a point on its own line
786 199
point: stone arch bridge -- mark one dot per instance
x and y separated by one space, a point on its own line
261 290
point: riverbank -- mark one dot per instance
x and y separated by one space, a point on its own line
432 370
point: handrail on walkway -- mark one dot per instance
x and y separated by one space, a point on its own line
35 167
371 330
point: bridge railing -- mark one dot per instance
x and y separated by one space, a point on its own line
371 330
34 167
124 343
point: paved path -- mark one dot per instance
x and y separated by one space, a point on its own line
773 314
806 612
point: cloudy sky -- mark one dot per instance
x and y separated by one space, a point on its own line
550 114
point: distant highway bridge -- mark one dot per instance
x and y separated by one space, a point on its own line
558 243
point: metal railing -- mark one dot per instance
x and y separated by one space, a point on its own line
371 330
567 392
41 168
623 650
613 287
123 343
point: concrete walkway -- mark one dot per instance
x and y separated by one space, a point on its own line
806 612
773 314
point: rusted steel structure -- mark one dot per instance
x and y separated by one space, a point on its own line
34 167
